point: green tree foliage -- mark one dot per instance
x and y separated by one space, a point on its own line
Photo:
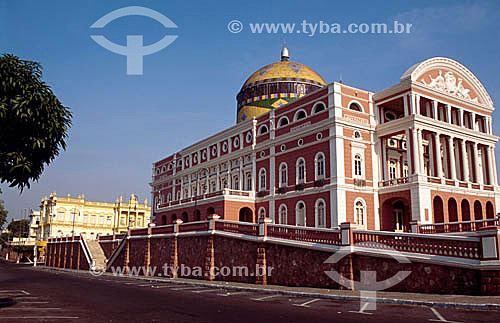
33 122
3 214
19 228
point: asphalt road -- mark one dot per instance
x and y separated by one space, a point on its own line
43 295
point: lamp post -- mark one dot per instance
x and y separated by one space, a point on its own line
73 229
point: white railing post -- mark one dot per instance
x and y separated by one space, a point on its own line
263 222
211 224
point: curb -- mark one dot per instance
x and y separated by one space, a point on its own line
226 285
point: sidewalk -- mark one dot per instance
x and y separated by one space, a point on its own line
435 300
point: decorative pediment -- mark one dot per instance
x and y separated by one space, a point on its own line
449 77
449 83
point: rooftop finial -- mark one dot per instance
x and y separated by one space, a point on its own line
285 55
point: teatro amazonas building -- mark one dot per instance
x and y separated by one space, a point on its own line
310 153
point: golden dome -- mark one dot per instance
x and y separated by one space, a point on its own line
285 69
275 85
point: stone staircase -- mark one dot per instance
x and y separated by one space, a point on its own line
97 253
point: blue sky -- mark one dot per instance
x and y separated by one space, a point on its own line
122 123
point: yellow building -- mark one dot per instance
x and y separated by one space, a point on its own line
61 216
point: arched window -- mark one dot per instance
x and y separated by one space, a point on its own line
262 130
301 171
262 212
197 215
283 175
185 217
178 195
318 107
320 211
262 179
359 212
169 197
174 217
301 114
320 166
392 169
283 214
283 122
358 165
300 214
356 107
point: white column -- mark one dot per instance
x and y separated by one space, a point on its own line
241 174
491 171
254 172
408 154
417 104
431 156
473 121
439 164
461 117
384 159
217 185
465 161
448 113
451 152
420 151
435 109
415 157
479 177
412 104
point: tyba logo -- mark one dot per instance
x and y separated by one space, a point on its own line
135 50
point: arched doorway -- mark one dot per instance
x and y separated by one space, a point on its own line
174 217
465 210
246 214
185 217
399 216
210 211
197 215
452 210
478 211
438 210
396 215
490 214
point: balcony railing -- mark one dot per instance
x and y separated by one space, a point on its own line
461 247
463 226
226 192
394 181
315 235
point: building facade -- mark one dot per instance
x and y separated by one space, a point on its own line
62 216
311 154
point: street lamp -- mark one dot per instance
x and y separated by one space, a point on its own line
73 229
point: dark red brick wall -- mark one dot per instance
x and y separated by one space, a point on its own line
137 252
293 266
160 254
242 253
108 247
191 252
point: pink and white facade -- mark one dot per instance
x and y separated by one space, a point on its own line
421 150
